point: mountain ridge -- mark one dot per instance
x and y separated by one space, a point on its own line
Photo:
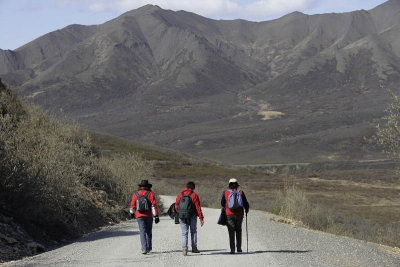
217 88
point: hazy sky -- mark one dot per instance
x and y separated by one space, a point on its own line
22 21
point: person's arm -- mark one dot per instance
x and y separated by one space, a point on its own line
245 203
132 210
154 211
196 201
223 200
152 199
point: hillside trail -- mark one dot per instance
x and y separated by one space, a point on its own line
270 244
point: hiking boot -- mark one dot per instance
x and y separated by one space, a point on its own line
184 252
195 250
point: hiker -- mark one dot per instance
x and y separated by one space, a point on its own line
143 208
235 203
187 205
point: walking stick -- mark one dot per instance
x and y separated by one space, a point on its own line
247 235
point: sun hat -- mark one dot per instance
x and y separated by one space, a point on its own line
145 183
233 180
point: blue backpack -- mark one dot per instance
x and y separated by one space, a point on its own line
235 201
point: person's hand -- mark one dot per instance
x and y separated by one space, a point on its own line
132 213
202 222
156 219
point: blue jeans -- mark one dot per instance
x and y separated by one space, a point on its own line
185 231
145 228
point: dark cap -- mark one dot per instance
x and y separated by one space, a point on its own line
145 183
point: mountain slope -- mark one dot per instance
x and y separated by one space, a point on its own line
298 88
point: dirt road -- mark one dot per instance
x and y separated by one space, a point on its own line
270 244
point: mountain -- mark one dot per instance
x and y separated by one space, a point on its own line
301 88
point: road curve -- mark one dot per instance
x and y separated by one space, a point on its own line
270 244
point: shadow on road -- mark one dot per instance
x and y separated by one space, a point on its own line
172 251
211 250
262 251
278 251
165 252
106 234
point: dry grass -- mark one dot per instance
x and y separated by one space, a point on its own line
292 203
126 171
296 205
54 181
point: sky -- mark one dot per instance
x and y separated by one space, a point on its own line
22 21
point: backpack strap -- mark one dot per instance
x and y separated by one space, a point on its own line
226 196
145 195
182 194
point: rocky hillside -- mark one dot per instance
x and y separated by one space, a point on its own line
301 88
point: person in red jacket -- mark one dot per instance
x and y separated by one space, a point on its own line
144 210
234 219
191 221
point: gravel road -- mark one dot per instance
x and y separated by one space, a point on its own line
270 244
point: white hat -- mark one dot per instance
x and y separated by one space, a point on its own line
233 180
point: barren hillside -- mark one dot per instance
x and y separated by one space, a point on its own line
299 88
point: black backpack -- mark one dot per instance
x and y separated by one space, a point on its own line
185 207
142 203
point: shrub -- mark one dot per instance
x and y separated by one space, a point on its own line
126 170
293 203
50 173
388 134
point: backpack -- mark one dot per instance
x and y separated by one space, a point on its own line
171 211
235 201
185 207
142 203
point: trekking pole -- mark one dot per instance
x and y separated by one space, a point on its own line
247 235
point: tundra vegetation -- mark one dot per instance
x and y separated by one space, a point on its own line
360 203
375 219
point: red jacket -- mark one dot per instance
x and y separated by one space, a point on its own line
224 203
195 201
152 201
